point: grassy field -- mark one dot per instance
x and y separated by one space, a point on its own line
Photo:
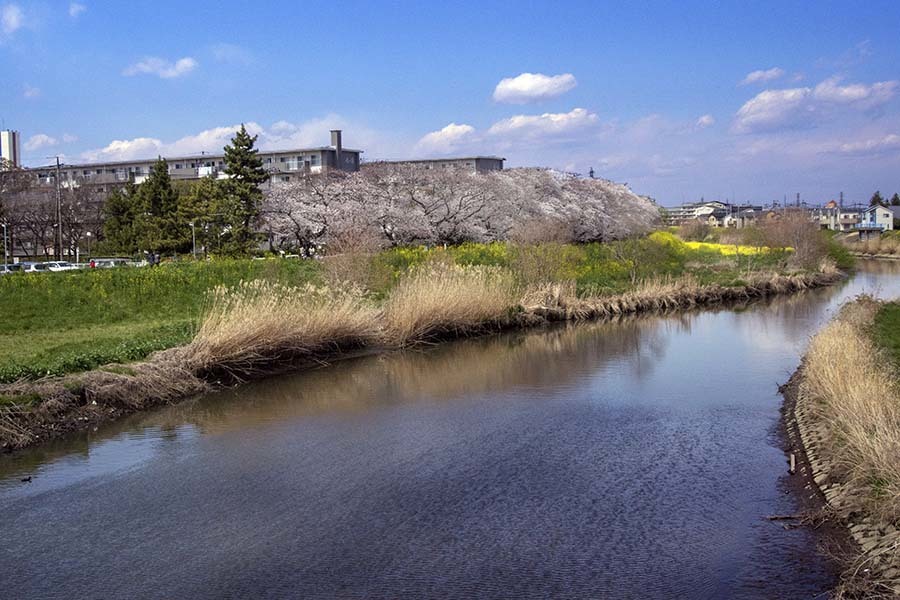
887 330
56 323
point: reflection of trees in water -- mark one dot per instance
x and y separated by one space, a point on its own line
879 267
789 317
536 361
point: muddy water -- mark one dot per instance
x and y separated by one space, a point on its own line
636 459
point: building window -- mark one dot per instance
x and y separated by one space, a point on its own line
177 165
314 160
292 164
285 178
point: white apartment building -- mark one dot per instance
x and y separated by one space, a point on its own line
282 166
10 148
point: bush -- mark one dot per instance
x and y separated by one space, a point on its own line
695 230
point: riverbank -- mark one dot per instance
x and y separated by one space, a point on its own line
258 328
847 416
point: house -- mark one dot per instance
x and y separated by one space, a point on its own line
282 166
875 220
677 215
835 217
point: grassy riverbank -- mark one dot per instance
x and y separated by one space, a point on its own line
58 323
849 405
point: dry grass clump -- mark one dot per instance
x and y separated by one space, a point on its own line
259 324
558 301
441 299
887 244
857 396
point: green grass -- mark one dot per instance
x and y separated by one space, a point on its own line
55 323
606 268
887 330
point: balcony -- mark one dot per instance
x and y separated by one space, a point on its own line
866 225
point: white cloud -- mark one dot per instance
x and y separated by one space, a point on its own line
864 96
280 136
68 138
533 87
41 140
771 110
138 148
545 125
11 18
446 139
75 9
762 76
886 143
162 68
705 121
231 54
29 91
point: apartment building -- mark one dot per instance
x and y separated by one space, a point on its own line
475 164
10 148
282 166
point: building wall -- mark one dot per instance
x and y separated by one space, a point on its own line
280 164
475 164
10 148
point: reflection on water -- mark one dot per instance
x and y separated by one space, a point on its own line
626 459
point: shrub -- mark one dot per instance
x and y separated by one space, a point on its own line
695 230
447 299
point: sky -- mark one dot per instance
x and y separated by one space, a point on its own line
738 101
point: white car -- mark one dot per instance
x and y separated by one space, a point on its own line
61 265
34 267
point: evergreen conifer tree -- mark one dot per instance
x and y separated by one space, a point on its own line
156 221
243 197
119 212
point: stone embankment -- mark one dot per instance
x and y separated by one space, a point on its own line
878 541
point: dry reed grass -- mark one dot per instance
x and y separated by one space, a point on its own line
560 302
260 324
888 244
441 299
858 398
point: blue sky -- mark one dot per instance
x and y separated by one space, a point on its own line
750 101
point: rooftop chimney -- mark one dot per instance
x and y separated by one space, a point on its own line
336 142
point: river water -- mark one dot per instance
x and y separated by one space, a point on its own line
635 459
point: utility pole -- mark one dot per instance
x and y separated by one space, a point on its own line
58 244
798 199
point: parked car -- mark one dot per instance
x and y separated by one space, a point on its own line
61 265
108 263
34 267
7 269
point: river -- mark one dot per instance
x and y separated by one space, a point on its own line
632 459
